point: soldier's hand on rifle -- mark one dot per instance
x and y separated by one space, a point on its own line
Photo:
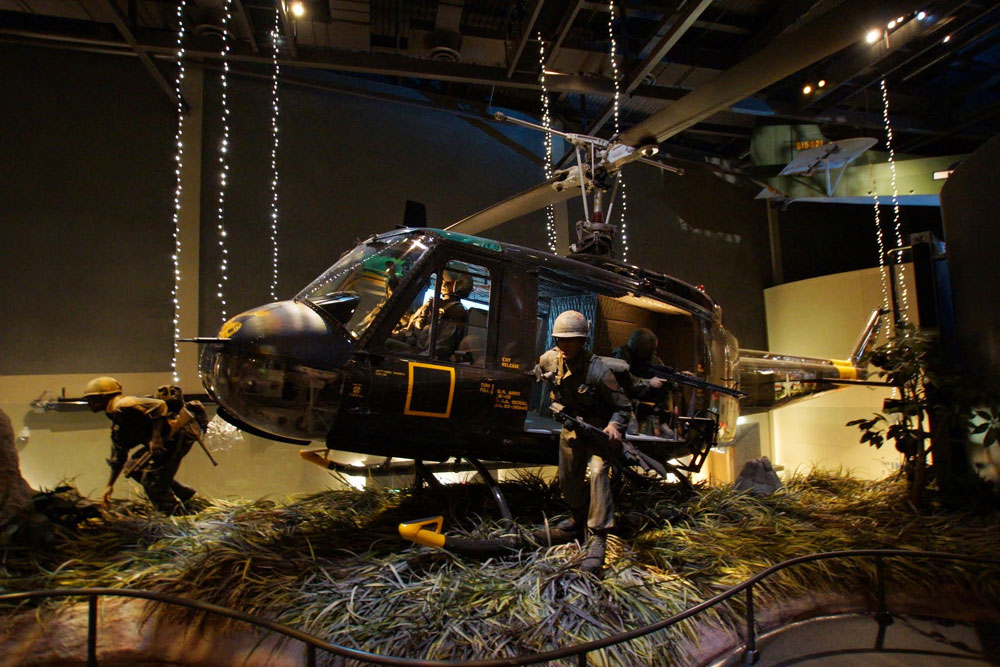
656 383
613 433
106 496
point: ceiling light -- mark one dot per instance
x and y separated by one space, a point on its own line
891 25
946 39
806 89
298 9
821 83
921 16
873 35
900 20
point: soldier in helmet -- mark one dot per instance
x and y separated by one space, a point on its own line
141 424
588 389
639 352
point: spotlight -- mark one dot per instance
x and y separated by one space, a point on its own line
873 35
946 39
891 25
298 9
921 16
821 83
806 89
900 20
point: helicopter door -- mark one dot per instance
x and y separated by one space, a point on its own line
435 357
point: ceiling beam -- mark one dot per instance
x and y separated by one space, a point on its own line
525 36
667 34
245 24
564 28
288 25
674 28
121 25
821 37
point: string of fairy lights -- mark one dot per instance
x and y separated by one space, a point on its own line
895 196
275 31
178 189
617 103
881 248
224 161
550 215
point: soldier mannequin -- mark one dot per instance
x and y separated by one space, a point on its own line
141 422
588 388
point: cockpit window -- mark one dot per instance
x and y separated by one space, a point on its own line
357 287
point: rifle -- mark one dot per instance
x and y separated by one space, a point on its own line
692 380
183 422
629 455
137 462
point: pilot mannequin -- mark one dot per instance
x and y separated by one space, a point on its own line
452 317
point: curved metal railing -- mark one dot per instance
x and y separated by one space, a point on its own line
580 651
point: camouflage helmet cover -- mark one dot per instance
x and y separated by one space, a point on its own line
103 386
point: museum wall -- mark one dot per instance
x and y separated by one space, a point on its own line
86 175
823 317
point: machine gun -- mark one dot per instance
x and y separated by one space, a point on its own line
137 462
628 456
692 380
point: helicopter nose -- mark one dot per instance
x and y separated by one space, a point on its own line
279 368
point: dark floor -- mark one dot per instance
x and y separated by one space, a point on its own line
854 640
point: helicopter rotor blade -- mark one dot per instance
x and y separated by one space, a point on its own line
825 35
564 185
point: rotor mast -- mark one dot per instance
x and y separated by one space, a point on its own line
599 162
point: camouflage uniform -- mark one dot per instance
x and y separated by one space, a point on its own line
589 390
135 420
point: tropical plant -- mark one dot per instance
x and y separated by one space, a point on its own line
935 402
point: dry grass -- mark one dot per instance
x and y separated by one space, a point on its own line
333 565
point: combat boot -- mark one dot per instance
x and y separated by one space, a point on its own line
574 523
597 545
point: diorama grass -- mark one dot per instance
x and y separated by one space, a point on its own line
332 564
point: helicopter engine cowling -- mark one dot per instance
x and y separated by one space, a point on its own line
279 368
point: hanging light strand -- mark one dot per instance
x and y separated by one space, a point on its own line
178 189
895 199
550 214
224 161
881 249
275 32
617 105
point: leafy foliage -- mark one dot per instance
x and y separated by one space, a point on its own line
332 564
930 390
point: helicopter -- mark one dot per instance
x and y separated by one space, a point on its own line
341 362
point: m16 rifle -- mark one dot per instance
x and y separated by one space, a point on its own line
692 380
620 460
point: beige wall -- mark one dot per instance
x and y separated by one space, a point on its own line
823 317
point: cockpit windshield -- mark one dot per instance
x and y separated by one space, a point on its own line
356 288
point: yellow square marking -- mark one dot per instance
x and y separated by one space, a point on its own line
409 391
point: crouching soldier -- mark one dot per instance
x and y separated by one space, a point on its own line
587 388
141 424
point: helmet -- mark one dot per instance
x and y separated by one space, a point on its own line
642 342
571 324
462 282
103 386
